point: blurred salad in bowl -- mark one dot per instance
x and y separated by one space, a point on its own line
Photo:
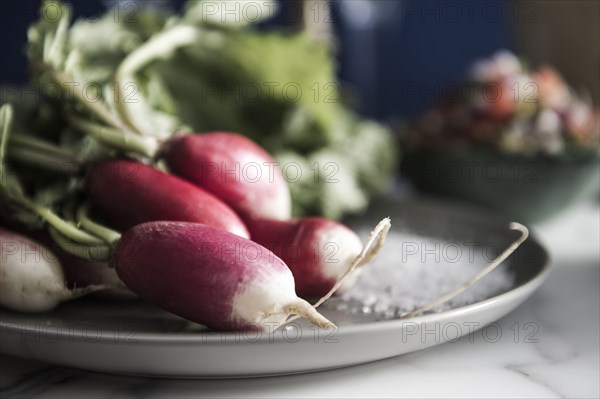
512 137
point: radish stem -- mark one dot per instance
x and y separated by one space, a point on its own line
34 143
95 252
43 160
108 235
94 107
160 46
122 140
6 115
472 280
59 224
31 150
68 229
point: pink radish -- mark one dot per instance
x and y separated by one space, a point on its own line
317 251
31 277
130 193
233 168
209 276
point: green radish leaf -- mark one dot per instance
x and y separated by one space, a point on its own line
278 88
11 192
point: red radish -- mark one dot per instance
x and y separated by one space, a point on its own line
233 168
130 193
81 272
31 277
209 276
317 251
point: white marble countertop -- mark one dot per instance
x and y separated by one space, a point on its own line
549 347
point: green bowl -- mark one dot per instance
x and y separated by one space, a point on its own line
530 188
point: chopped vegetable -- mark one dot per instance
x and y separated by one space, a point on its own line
508 108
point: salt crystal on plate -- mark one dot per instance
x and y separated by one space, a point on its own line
411 271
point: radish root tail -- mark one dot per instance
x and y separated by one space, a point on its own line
301 308
473 279
367 254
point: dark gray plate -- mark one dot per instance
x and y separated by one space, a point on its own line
136 338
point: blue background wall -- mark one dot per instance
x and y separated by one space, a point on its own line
396 55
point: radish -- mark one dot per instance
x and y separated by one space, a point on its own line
318 251
130 193
233 168
209 276
31 277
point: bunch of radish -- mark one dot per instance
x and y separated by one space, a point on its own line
198 224
209 236
200 240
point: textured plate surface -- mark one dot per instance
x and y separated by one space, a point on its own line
136 338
